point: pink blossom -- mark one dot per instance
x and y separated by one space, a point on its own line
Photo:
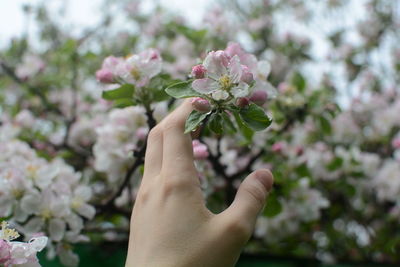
242 102
259 97
200 150
201 104
249 60
198 71
247 75
105 76
140 68
223 79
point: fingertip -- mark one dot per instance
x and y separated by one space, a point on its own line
265 177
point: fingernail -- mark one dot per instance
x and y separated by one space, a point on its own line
266 179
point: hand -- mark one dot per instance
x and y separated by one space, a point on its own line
170 224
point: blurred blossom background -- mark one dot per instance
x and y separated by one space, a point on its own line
71 148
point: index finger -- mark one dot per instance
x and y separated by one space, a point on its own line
177 146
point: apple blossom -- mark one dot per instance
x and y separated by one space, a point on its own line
259 97
13 253
223 79
105 76
199 71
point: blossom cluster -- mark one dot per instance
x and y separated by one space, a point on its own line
41 196
14 253
232 75
137 69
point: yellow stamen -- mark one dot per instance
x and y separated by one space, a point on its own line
7 233
225 83
135 73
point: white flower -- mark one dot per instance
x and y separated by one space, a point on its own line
116 140
224 77
140 68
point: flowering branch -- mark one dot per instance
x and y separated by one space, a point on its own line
139 155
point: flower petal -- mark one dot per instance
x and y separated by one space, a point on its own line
241 90
204 86
235 69
215 63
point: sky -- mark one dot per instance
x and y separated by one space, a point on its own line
81 13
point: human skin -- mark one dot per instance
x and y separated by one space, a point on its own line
170 224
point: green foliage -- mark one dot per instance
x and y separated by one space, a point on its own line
254 117
126 91
181 90
243 128
194 120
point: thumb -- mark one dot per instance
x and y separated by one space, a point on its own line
250 199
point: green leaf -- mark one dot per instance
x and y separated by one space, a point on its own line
124 102
125 91
194 119
228 122
215 123
273 207
181 90
246 131
255 118
160 95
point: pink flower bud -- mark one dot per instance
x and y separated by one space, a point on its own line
242 102
396 143
278 147
198 71
247 76
105 76
200 151
259 97
201 104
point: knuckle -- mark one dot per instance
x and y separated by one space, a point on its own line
171 123
172 186
143 196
